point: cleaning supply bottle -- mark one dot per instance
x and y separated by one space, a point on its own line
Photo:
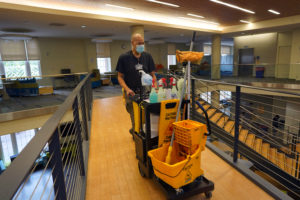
168 90
161 94
153 95
174 92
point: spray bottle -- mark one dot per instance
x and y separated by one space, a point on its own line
168 90
161 94
174 92
153 95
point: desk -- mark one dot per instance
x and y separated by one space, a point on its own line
71 78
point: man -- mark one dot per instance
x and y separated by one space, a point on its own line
128 75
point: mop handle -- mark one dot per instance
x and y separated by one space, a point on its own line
168 158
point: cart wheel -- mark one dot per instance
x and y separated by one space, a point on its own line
208 195
141 171
179 191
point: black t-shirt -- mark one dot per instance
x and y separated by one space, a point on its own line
126 65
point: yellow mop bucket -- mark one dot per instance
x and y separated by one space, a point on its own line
181 171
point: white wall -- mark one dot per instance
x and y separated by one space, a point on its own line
295 56
265 46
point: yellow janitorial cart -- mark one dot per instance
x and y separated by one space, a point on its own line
172 156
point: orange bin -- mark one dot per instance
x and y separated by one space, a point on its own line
189 133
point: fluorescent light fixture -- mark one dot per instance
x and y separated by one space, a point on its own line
274 12
164 3
232 6
244 21
115 6
83 26
199 20
193 15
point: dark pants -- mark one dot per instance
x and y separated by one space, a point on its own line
129 108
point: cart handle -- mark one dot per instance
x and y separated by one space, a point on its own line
206 116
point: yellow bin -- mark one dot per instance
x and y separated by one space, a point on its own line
182 172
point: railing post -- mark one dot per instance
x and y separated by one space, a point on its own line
83 113
193 97
78 133
56 162
237 123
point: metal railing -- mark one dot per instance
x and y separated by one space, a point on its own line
52 165
245 121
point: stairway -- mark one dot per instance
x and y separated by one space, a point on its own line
262 147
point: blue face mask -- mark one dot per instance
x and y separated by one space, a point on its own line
140 48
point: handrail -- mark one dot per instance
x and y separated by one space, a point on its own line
246 86
15 174
45 76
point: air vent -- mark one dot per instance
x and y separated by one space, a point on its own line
57 24
102 35
158 38
17 30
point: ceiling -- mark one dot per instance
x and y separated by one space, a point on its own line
38 21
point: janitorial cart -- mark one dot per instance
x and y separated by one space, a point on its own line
171 153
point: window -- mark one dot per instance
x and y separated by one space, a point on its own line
23 138
207 50
104 65
7 148
14 57
35 67
171 60
225 95
206 96
14 69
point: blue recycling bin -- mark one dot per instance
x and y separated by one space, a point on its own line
260 71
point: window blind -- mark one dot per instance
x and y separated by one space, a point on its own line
12 50
33 49
103 50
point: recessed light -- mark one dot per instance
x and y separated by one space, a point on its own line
116 6
164 3
274 12
244 21
83 26
199 20
232 6
193 15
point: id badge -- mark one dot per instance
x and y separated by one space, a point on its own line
138 67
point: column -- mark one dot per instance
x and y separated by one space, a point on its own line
216 57
137 29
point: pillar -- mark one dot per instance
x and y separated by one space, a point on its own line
216 57
215 98
137 29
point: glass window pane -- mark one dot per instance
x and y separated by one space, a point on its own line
14 68
104 64
206 96
171 60
35 67
7 148
23 138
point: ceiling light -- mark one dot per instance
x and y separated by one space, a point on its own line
193 15
164 3
15 37
233 6
244 21
115 6
199 20
83 26
274 12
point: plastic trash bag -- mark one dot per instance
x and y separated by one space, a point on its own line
146 79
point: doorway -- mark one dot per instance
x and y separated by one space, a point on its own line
246 61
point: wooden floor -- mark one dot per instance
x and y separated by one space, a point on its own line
112 167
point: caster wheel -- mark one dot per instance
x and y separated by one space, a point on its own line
141 171
208 195
179 192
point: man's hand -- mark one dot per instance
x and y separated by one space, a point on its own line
129 92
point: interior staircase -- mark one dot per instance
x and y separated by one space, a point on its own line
279 158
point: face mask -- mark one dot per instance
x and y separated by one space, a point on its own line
140 48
